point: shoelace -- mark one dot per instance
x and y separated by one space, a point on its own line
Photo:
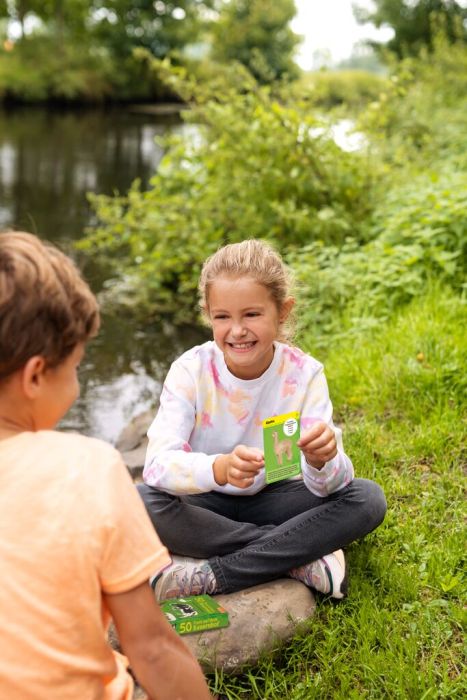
196 584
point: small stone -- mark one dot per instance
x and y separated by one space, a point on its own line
134 434
262 618
133 442
134 460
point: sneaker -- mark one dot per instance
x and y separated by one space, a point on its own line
184 577
327 575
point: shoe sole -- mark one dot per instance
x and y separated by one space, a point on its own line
344 584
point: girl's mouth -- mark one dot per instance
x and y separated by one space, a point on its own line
242 346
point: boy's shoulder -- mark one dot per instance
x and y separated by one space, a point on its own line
76 447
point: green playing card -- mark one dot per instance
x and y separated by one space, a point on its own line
281 453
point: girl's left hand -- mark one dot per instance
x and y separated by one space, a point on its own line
318 445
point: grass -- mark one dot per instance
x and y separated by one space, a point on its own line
400 393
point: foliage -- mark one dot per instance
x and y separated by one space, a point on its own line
257 168
419 234
400 390
82 50
163 27
416 22
95 40
330 88
256 33
420 120
39 70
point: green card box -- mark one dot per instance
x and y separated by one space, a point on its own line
196 613
282 457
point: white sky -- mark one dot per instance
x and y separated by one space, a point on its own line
329 25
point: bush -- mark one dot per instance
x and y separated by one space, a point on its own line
38 69
419 234
352 88
255 168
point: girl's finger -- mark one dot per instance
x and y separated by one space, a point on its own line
319 443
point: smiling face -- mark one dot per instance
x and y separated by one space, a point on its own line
245 323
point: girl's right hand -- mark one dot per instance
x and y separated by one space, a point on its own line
238 468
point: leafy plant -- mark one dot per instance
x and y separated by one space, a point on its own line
254 167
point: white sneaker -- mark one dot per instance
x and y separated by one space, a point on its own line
184 577
327 575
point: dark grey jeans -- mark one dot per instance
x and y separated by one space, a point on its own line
254 539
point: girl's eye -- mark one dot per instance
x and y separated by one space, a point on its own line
253 313
220 317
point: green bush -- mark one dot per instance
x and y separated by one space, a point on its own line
330 88
418 234
420 119
254 168
39 69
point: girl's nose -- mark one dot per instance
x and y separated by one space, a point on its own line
238 330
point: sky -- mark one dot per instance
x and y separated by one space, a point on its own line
329 26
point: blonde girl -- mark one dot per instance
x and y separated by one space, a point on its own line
205 487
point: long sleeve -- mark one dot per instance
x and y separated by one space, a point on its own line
170 464
338 472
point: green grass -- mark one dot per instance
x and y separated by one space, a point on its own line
400 393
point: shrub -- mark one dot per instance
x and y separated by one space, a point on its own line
419 234
353 88
255 168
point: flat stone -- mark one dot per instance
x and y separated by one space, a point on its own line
132 443
262 618
134 434
134 460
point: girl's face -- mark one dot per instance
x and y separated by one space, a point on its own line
245 322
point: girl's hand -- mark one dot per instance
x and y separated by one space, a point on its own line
318 445
238 468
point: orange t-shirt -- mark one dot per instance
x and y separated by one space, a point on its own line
72 527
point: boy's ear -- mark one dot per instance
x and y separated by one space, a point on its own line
32 374
287 307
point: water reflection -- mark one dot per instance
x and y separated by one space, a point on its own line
49 160
123 371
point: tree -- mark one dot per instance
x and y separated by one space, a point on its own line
257 34
161 26
415 21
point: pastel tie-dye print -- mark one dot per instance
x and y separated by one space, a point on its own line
206 411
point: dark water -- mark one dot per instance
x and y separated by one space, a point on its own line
49 160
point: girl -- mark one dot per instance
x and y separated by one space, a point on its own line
205 487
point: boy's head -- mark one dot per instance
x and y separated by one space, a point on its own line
46 308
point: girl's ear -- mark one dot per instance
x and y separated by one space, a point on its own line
32 375
286 308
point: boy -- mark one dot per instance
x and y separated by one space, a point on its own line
76 546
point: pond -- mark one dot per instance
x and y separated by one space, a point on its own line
49 160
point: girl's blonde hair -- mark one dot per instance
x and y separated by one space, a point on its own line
255 259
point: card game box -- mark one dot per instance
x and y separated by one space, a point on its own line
195 613
282 456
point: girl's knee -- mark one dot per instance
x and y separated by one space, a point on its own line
374 502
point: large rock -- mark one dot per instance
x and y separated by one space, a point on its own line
262 618
132 443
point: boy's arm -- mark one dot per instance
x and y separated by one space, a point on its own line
160 660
